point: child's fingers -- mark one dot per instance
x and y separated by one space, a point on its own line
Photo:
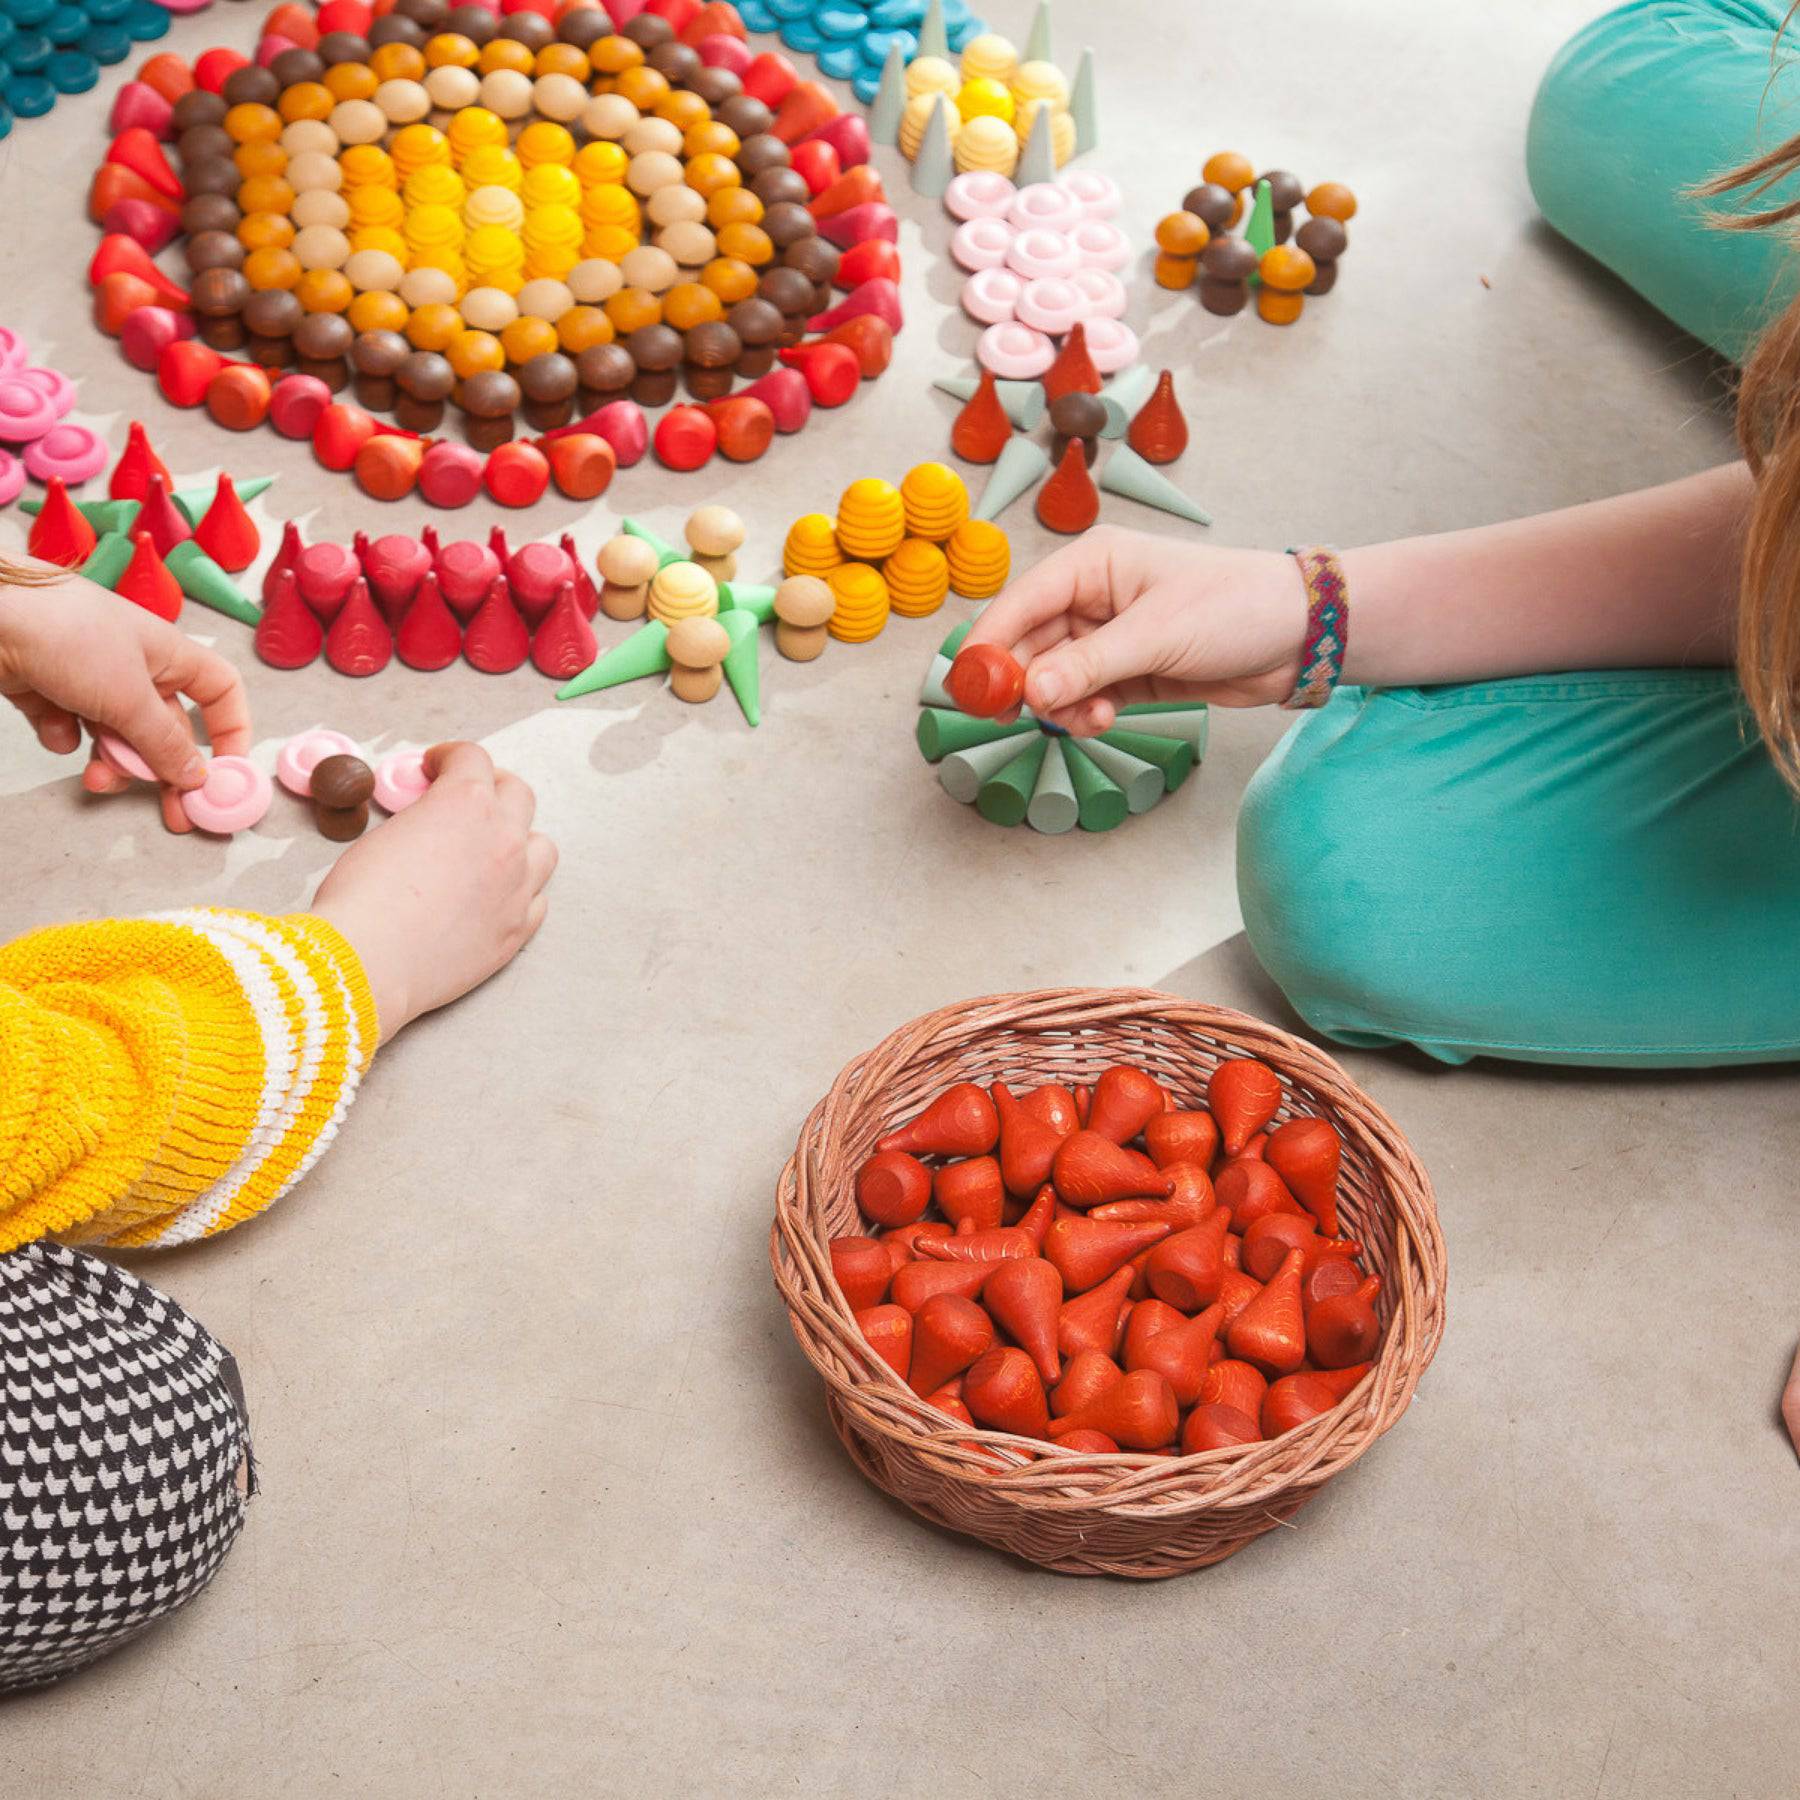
157 729
1087 718
1790 1403
1049 591
102 778
1084 666
517 802
214 686
174 814
540 861
459 760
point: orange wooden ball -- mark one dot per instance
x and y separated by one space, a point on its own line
272 268
733 205
563 59
324 290
643 87
749 242
398 62
259 157
525 338
265 194
305 100
451 50
377 311
434 327
582 327
682 109
730 277
251 122
710 136
505 53
351 81
614 54
473 352
265 231
1229 170
1332 200
708 172
632 308
689 303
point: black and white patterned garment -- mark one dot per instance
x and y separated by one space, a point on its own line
121 1438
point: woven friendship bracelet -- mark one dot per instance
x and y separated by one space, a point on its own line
1327 628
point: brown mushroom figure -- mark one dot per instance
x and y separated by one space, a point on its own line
1324 240
1226 266
342 787
1285 193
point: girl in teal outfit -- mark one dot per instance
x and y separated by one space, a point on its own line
1542 802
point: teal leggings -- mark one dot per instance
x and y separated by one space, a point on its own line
1594 868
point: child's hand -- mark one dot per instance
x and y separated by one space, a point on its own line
446 893
1119 618
71 651
1790 1404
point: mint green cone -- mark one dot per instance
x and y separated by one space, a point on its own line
1186 723
935 165
1101 800
1023 401
108 559
194 501
954 642
1174 756
940 731
934 691
742 668
1123 396
963 772
747 597
1054 808
933 40
1006 794
1037 160
645 652
1037 45
1125 472
202 579
1020 467
1141 782
665 551
890 98
1083 107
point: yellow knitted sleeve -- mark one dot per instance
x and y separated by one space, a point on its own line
164 1079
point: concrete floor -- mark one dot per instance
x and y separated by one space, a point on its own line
550 1505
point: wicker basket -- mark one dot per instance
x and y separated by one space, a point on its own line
1097 1515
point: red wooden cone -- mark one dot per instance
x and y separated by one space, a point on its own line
804 108
1242 1097
1125 1100
1189 1137
1094 1320
564 644
1005 1392
429 636
122 255
1330 1275
988 1246
1191 1202
1159 433
226 532
1073 371
60 533
745 425
948 1334
1069 502
876 300
1297 1398
961 1121
1055 1106
147 581
831 370
1035 1220
1215 1427
1027 1145
893 1188
862 1270
1182 1354
1253 1190
1090 1170
786 393
855 187
1138 1413
582 463
917 1282
360 641
162 518
982 428
1271 1330
970 1191
1306 1154
1086 1251
497 640
985 681
587 596
288 636
889 1330
1025 1299
863 262
1344 1329
1270 1238
185 369
137 150
1086 1375
130 479
1188 1269
858 224
1148 1318
1234 1383
870 337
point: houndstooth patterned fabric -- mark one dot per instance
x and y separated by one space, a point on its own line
121 1435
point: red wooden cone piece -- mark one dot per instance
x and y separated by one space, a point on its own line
288 635
1090 1170
1182 1354
1159 433
60 533
1306 1154
1189 1137
1139 1412
855 187
1073 371
137 150
1125 1100
1035 1220
155 227
117 298
889 1331
745 425
226 532
360 641
787 395
862 1270
873 258
394 566
429 636
338 434
120 254
114 183
970 1194
581 464
995 1244
1242 1096
130 479
1004 1391
1095 1320
1089 1442
1086 1251
1086 1376
861 224
162 518
147 582
982 428
877 299
536 574
871 338
848 135
893 1188
1330 1275
497 640
1215 1427
1055 1106
685 437
1069 502
1271 1330
1231 1382
948 1333
1253 1190
1297 1398
1188 1269
1268 1240
803 109
770 78
985 681
1025 1299
1344 1328
564 644
1191 1202
917 1282
587 596
831 370
1027 1145
287 554
961 1121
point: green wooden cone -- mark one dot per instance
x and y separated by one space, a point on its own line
645 652
963 772
665 551
1259 233
1125 472
194 501
1123 396
742 669
1141 782
890 98
1054 808
934 691
933 40
108 559
1006 794
935 164
1020 467
747 597
954 641
202 579
940 731
1023 401
1101 800
1186 723
1083 107
1037 161
103 515
1174 756
1037 45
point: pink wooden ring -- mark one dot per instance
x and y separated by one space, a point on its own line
1044 203
1112 344
1100 245
1015 352
1041 251
56 387
301 755
981 243
1099 194
991 295
236 796
980 194
71 451
121 758
400 779
24 412
1102 291
13 354
1051 304
12 478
